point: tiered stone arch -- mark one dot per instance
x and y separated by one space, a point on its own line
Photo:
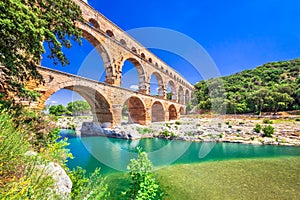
136 110
140 70
187 96
172 112
173 89
180 95
157 112
100 105
160 82
89 34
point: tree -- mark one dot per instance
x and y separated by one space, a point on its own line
143 185
57 110
24 26
79 107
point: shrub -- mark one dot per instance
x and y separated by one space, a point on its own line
297 119
241 123
268 131
88 186
21 176
144 130
267 121
143 185
229 126
177 122
227 123
257 128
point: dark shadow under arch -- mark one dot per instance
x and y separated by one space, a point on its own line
172 112
101 108
136 110
157 112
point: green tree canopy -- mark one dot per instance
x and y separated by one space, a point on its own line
79 107
24 26
272 87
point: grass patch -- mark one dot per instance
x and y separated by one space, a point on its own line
269 178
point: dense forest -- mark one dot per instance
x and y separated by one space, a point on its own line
273 87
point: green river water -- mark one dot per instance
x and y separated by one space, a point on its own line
113 155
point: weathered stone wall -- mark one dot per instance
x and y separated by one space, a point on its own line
105 100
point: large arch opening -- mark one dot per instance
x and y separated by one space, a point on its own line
172 112
156 85
187 96
99 105
157 112
133 75
135 111
90 59
171 91
180 95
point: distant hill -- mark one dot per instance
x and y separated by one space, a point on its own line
273 87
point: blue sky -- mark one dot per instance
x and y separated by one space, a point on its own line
237 34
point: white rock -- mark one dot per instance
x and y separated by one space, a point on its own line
62 182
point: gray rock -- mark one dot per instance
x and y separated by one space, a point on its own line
62 182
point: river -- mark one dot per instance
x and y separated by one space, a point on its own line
113 155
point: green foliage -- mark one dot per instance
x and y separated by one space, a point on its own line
22 176
167 125
169 95
257 128
143 185
297 119
58 110
88 186
268 131
267 121
79 108
269 88
25 25
144 130
178 123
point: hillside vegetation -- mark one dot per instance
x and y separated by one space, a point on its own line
273 87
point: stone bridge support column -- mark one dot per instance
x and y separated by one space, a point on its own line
145 88
117 114
113 76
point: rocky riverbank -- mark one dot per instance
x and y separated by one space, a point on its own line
205 128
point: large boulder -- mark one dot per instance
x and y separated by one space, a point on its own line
62 182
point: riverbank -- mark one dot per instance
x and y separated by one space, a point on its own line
203 128
264 178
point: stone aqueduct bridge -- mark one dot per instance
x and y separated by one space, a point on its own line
107 99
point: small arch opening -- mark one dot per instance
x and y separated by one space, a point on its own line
94 23
123 42
110 33
133 49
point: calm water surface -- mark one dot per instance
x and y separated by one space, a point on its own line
113 155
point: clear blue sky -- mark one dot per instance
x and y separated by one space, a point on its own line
237 34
